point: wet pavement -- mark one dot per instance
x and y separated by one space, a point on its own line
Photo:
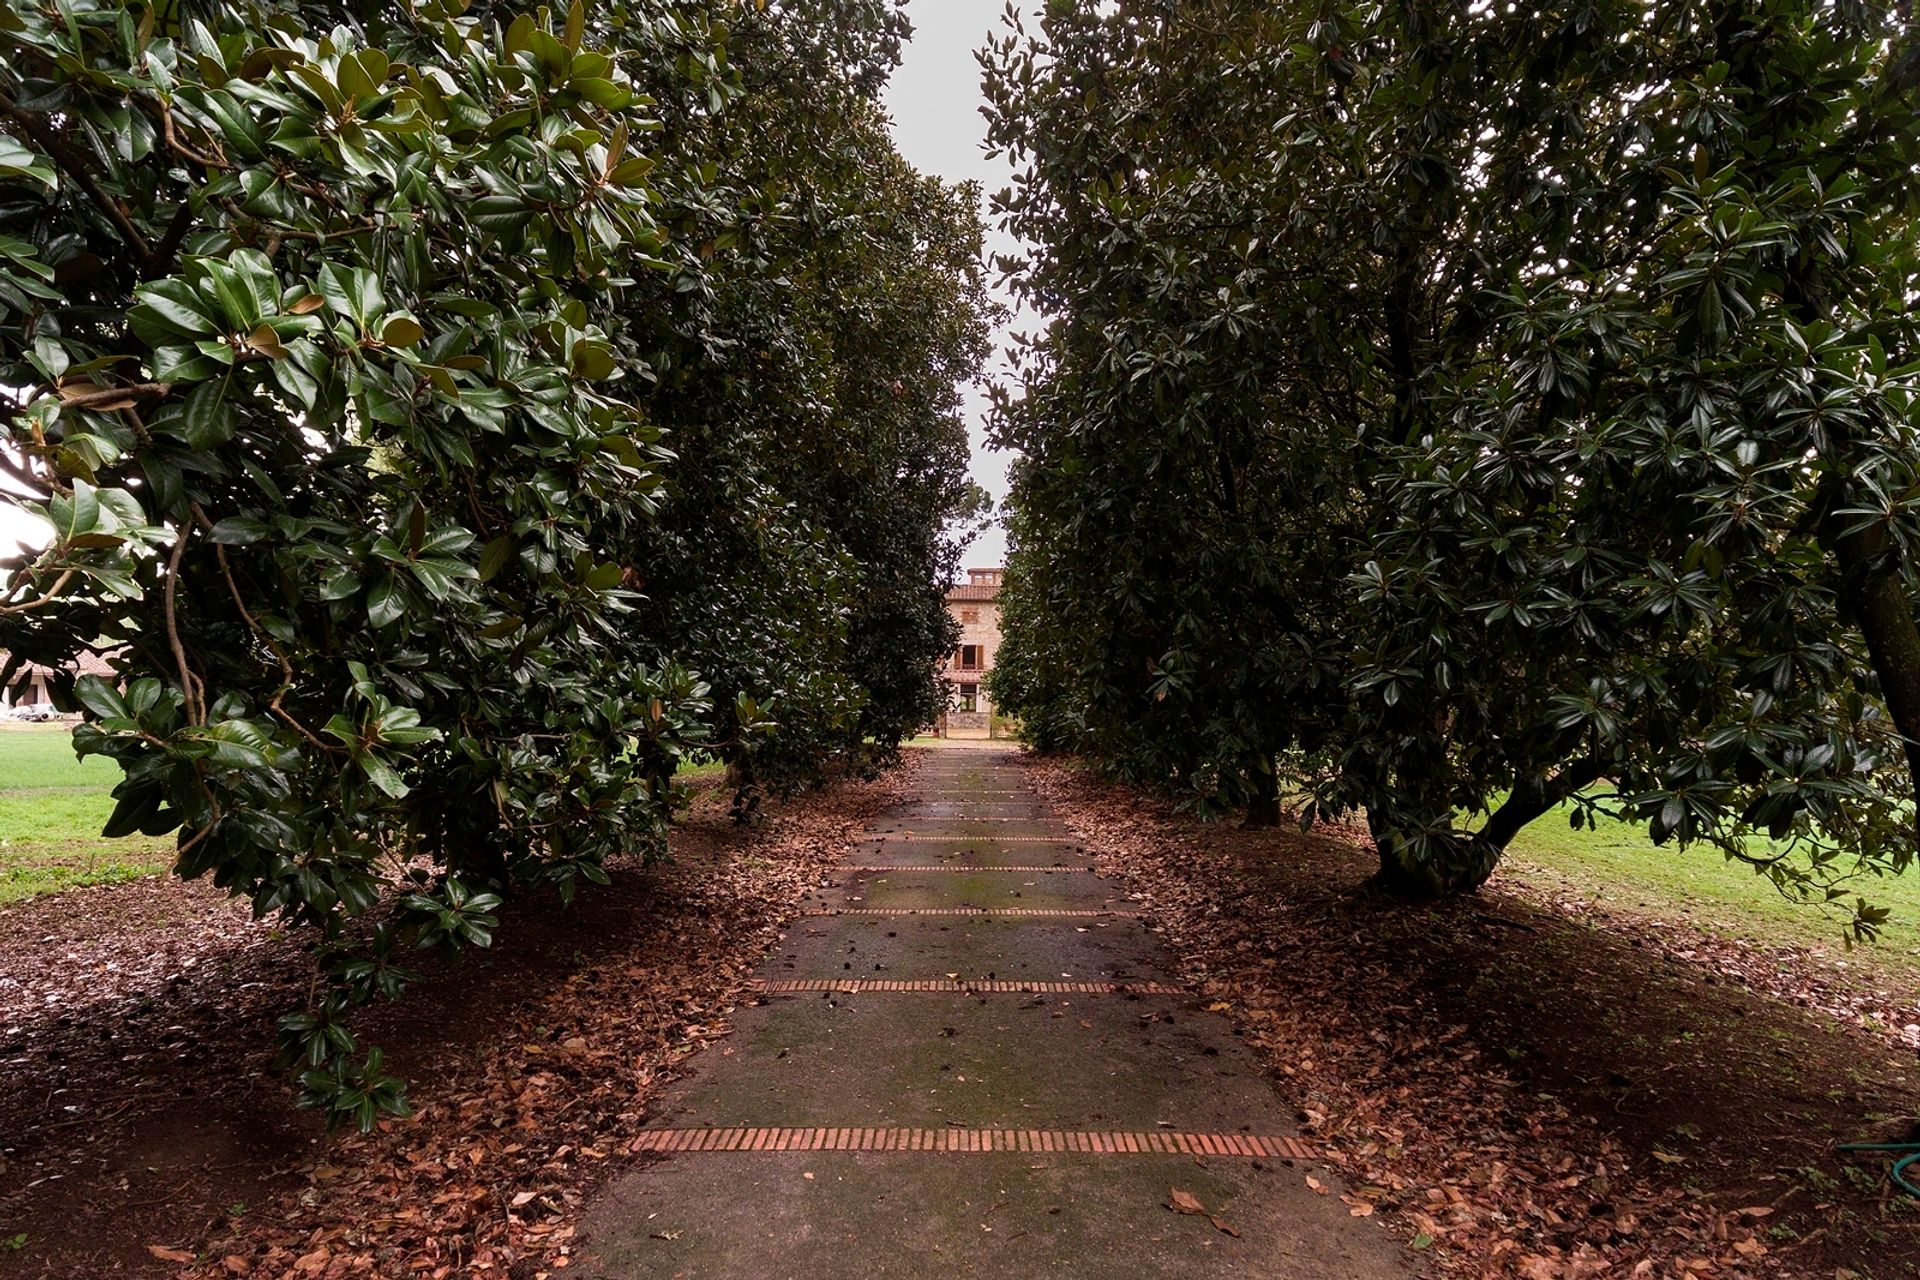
972 1059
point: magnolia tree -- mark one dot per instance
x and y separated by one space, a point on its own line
346 350
814 396
1495 409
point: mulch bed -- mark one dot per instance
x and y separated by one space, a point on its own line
1516 1091
143 1132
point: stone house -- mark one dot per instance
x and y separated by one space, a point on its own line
975 605
28 683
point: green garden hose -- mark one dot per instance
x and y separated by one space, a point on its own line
1900 1166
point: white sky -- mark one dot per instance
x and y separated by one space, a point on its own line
934 99
16 528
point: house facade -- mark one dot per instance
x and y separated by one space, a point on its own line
975 605
28 684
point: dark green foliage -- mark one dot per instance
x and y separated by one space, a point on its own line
816 406
1492 403
390 376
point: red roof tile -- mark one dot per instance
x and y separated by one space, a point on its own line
87 664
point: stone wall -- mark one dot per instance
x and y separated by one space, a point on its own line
979 625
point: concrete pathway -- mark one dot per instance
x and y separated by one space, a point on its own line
973 1061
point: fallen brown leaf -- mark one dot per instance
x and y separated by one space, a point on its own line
1185 1201
1494 1152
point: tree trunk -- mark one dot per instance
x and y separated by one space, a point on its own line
490 862
1263 811
1878 600
746 790
1468 858
1885 614
1871 585
1263 807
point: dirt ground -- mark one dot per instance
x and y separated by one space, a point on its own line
1527 1092
1514 1090
144 1128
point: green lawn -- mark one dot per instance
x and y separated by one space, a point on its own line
1616 863
52 807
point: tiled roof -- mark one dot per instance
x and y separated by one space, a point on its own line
87 664
969 592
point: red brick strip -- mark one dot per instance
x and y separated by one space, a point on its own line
785 986
885 836
949 866
1161 1142
963 911
969 817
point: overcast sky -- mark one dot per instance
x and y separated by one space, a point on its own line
935 102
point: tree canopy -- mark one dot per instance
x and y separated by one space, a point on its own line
1448 412
452 418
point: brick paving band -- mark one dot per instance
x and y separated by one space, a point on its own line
951 986
1164 1142
972 817
949 866
1035 912
908 835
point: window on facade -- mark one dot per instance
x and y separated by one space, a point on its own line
969 615
969 657
969 697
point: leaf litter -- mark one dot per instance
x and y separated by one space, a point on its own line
1513 1101
532 1067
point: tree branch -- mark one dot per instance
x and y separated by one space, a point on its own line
19 475
195 713
173 142
41 601
162 260
1530 802
286 667
107 399
75 167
